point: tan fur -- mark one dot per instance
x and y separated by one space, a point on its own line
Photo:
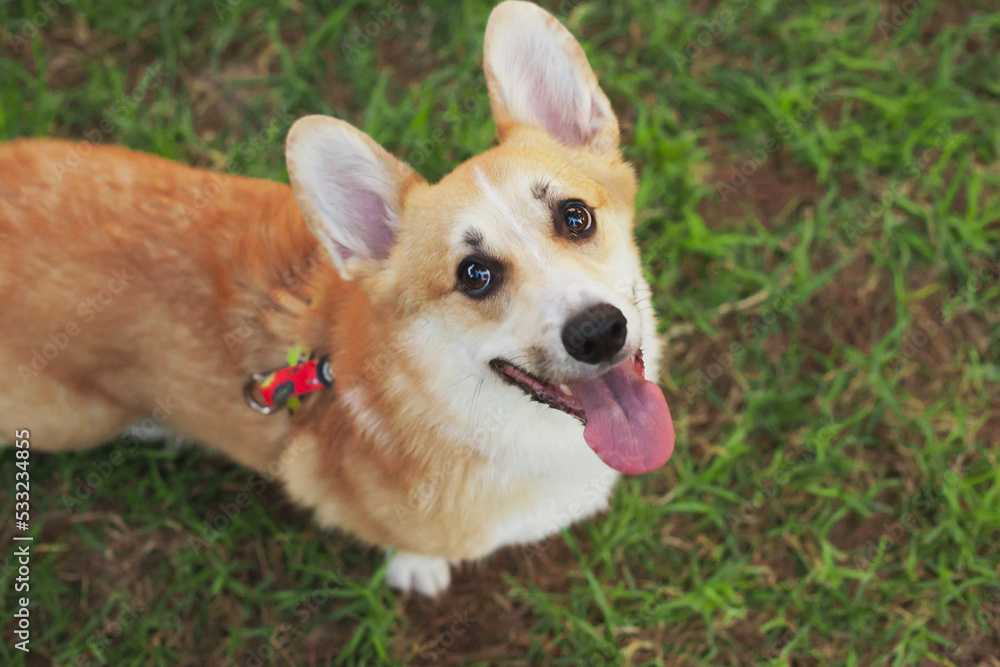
188 274
218 276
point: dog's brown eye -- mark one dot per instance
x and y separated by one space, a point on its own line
578 218
477 277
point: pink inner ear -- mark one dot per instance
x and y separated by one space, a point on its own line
556 124
350 193
542 86
553 102
370 217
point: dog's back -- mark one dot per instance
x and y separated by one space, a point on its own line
117 270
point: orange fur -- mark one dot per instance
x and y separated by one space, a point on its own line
172 336
134 286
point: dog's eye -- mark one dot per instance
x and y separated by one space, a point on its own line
578 218
477 277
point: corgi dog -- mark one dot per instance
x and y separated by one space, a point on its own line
483 349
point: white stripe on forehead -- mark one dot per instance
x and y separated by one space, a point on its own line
496 199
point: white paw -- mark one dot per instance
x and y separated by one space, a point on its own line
426 575
147 430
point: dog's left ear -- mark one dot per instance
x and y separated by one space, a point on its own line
538 75
349 190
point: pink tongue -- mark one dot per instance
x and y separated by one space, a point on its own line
628 421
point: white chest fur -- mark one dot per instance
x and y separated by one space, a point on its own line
543 451
528 445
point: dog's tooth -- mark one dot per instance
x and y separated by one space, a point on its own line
566 390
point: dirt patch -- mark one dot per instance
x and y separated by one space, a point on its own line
978 648
408 61
766 185
852 532
478 620
763 180
855 307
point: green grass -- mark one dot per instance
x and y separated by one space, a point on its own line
832 368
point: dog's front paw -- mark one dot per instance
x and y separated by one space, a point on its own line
426 575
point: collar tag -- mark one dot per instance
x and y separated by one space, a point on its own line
269 392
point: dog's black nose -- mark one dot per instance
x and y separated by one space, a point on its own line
595 334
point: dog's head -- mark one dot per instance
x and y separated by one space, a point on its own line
518 268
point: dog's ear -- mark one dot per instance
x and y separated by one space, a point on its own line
538 75
348 188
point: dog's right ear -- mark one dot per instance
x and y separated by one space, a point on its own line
348 188
538 75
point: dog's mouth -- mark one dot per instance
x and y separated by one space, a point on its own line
627 421
555 396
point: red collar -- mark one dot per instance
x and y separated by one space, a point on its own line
282 387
